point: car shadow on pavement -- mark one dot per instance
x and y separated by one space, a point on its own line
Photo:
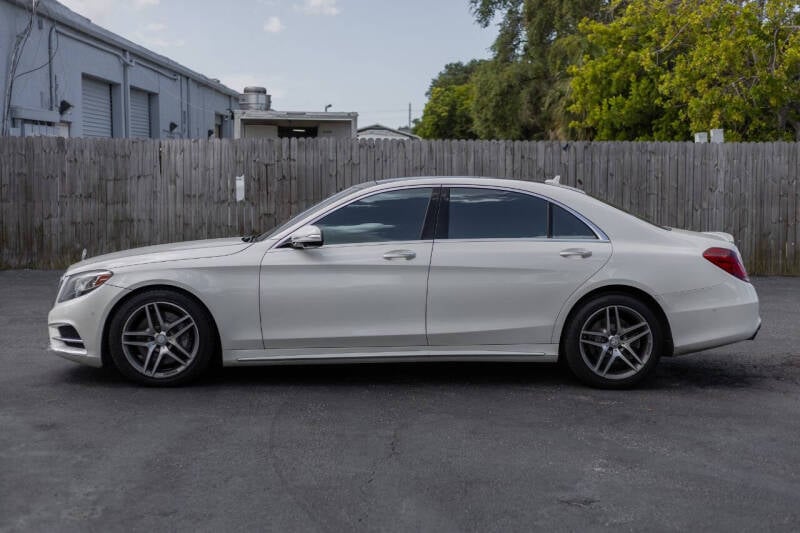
688 372
680 373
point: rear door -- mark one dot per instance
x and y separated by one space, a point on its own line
503 263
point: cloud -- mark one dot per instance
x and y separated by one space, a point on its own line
154 35
101 12
141 4
155 27
273 25
319 7
98 11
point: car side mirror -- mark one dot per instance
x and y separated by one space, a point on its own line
307 237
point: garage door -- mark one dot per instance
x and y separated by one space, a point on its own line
140 113
96 108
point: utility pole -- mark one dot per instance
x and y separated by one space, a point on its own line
409 116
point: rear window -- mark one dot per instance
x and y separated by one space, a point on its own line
565 225
495 214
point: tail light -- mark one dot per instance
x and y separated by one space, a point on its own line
728 260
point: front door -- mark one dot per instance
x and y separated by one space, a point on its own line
364 287
503 264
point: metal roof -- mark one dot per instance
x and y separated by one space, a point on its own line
53 10
271 114
381 127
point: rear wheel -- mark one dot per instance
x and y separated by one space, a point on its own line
613 341
161 337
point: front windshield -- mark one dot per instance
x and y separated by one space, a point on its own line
321 205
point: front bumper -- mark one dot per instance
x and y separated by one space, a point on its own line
83 317
756 333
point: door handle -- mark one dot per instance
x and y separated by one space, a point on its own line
400 254
575 252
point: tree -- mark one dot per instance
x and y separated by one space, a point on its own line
662 69
447 114
522 92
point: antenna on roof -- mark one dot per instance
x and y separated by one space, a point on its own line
554 181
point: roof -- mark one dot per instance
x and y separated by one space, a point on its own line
392 132
567 197
60 13
317 116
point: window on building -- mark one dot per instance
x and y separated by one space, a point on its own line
291 131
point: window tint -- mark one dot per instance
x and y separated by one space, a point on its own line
318 207
568 226
495 214
388 216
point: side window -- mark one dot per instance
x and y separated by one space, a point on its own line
568 226
495 214
388 216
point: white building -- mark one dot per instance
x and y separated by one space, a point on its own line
379 131
255 118
73 78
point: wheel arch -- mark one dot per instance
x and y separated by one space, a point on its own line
104 355
629 290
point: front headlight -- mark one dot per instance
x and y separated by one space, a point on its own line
83 283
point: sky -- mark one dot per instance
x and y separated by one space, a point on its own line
373 57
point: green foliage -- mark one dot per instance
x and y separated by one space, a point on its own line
661 69
454 74
625 70
521 93
447 114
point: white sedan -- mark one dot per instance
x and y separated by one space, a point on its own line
420 269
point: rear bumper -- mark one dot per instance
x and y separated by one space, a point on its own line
713 316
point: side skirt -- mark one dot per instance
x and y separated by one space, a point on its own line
540 353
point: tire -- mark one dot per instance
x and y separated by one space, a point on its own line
599 355
162 338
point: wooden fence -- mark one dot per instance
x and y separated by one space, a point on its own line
58 196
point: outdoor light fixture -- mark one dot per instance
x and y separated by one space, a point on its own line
64 106
172 127
328 107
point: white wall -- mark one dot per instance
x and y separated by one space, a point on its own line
191 105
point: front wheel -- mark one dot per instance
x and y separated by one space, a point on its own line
161 337
613 341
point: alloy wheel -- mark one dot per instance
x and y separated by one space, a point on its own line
160 339
616 342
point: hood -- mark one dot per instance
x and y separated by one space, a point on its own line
162 252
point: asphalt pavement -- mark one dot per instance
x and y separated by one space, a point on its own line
712 442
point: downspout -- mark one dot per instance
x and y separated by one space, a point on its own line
126 96
188 108
126 61
93 44
51 72
182 117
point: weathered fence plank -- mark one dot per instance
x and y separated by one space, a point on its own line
58 196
